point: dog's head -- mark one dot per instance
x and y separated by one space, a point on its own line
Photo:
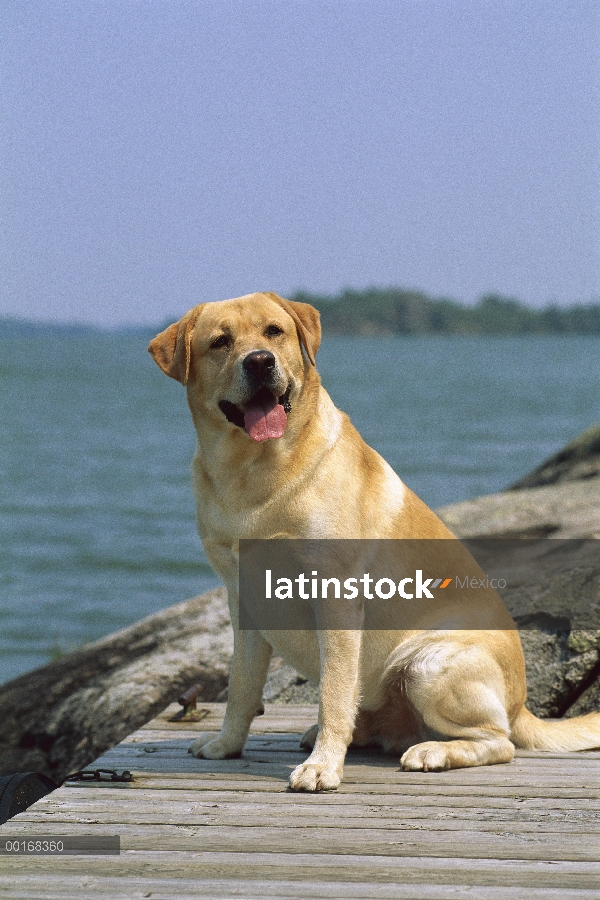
244 361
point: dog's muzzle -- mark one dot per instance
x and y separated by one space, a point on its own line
264 415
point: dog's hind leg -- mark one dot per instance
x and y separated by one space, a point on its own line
459 693
309 738
251 656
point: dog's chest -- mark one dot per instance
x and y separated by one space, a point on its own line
228 513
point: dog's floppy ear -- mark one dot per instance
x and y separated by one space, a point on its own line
171 348
308 323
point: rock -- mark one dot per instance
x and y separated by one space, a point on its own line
285 685
570 510
559 663
556 604
577 461
588 700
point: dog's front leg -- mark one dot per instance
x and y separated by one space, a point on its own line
338 701
251 655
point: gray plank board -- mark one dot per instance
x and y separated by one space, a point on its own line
288 739
240 783
361 778
501 844
291 719
174 864
362 764
45 887
331 804
289 744
244 783
407 820
278 718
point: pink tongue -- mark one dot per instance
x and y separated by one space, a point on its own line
265 420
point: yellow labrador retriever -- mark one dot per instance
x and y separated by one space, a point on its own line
275 458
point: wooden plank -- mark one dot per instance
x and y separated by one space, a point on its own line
279 718
354 773
284 742
325 804
408 807
156 813
209 781
357 768
332 803
189 807
296 720
580 755
278 764
156 865
468 842
289 743
182 888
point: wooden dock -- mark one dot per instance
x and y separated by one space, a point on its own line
193 828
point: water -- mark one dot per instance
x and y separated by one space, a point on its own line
97 522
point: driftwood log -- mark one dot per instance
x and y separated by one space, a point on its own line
60 717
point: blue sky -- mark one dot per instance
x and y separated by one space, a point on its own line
160 154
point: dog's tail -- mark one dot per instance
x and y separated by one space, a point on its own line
531 733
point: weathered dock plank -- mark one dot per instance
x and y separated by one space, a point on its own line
181 889
203 828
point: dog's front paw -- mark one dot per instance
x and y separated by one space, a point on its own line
315 777
308 739
430 756
212 746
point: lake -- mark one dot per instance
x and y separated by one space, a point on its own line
97 522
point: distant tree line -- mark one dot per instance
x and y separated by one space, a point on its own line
383 311
395 311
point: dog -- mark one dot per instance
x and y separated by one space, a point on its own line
276 459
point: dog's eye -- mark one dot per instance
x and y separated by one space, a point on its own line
222 341
274 330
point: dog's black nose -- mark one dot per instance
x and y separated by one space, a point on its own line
259 363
